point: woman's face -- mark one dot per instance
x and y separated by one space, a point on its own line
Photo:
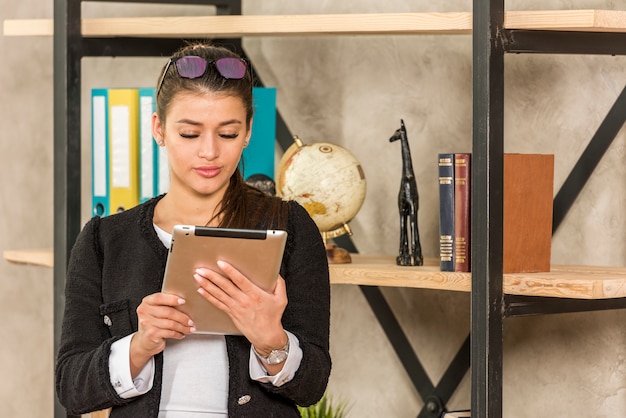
205 134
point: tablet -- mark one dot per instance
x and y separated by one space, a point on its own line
257 254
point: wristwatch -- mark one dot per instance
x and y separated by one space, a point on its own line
275 356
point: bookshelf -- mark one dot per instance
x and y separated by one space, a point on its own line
562 281
572 31
318 25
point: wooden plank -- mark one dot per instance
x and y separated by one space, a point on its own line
562 281
569 282
28 27
576 282
567 20
257 25
324 24
383 271
42 258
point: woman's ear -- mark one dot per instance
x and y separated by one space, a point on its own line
249 134
157 130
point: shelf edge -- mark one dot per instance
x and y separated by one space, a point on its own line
324 24
42 258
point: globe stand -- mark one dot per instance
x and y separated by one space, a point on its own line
337 255
334 253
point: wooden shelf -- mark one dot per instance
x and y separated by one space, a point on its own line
44 258
575 282
325 24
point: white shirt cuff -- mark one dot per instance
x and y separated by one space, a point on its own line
119 370
259 373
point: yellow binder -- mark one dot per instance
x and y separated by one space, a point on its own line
123 149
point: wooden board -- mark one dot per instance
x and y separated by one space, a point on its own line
324 24
576 282
44 258
568 20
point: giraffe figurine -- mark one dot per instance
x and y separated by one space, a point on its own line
408 205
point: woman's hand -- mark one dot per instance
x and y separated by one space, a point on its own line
158 320
255 312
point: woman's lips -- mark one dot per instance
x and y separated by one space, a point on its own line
208 172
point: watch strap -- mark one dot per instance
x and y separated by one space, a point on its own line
276 356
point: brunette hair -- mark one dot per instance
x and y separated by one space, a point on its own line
243 206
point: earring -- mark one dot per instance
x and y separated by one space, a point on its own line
245 144
161 143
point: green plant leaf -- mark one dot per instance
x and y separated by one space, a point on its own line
324 408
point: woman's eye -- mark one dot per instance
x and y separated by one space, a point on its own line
230 136
188 136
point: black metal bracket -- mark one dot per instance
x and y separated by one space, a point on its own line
553 42
517 305
224 7
590 158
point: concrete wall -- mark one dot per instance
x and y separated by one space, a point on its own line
353 91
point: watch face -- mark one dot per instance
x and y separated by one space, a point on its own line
277 357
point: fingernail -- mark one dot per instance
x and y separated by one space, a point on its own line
181 301
192 329
221 264
190 323
197 278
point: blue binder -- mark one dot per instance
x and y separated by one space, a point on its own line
259 155
148 148
99 152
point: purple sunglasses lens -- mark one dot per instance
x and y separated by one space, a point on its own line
232 68
191 66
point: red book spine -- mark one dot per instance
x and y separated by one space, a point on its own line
462 182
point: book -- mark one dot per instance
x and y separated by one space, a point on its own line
527 212
527 225
462 190
446 211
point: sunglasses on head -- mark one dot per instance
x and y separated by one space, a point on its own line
193 66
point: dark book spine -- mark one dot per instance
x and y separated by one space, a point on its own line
462 189
446 211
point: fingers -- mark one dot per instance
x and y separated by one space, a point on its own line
159 319
254 311
215 288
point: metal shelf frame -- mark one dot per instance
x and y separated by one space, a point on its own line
489 307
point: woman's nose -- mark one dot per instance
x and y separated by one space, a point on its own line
208 148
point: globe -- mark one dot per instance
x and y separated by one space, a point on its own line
328 181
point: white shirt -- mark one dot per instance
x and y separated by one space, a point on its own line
195 371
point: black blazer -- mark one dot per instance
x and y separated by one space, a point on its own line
118 260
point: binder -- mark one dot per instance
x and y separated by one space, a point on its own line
123 149
99 153
258 157
149 153
163 171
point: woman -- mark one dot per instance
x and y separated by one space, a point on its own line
124 343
